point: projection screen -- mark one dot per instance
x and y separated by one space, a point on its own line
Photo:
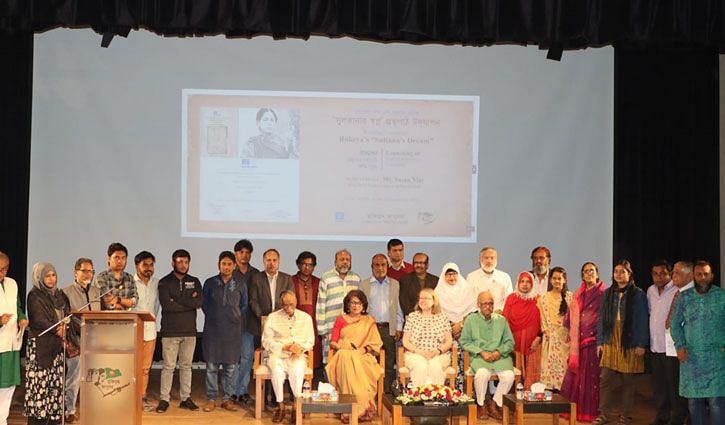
510 150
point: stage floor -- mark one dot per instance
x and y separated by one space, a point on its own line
644 412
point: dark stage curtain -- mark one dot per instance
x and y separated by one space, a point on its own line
666 161
666 107
16 79
548 23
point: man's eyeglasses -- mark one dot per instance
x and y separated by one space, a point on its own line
485 304
86 270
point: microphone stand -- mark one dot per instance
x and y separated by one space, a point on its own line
66 320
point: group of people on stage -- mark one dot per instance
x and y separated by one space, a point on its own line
588 345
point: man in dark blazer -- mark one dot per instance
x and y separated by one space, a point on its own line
412 283
265 290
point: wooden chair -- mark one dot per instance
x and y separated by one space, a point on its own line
469 374
381 364
450 372
262 374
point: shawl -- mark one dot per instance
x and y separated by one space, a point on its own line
611 304
523 316
458 300
575 310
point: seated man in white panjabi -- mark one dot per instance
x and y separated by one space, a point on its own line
487 337
427 340
287 335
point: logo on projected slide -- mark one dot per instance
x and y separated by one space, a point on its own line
109 381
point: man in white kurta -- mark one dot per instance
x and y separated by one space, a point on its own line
12 320
288 334
489 278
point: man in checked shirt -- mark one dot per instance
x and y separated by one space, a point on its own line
123 289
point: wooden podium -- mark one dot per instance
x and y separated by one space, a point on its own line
111 369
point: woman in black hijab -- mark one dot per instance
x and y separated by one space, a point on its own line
44 368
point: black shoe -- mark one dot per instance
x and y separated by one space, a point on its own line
234 398
188 404
162 407
244 399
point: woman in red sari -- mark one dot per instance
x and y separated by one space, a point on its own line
581 382
522 312
306 288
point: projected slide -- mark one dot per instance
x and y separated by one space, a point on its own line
352 166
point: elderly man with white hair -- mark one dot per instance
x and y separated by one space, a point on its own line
288 334
487 337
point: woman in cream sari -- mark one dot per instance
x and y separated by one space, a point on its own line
354 369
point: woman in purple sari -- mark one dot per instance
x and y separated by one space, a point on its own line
581 383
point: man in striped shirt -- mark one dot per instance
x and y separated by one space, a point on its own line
334 285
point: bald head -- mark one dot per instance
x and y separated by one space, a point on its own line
485 304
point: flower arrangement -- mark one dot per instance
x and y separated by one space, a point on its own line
433 393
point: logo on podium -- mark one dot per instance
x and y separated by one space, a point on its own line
109 381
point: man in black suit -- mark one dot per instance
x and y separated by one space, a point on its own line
412 283
266 288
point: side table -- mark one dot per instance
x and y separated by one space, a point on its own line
557 405
393 413
346 403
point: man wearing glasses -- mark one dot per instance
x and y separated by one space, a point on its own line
487 337
79 293
540 263
412 283
288 333
306 287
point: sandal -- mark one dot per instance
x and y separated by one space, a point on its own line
601 420
365 417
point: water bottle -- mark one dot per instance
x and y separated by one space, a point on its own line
520 391
306 389
395 388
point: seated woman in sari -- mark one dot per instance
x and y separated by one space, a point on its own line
524 319
427 341
353 368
